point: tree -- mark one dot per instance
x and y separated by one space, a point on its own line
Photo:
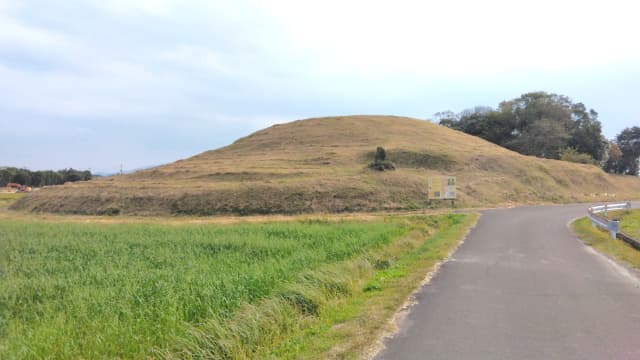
483 122
445 117
613 163
586 135
41 178
543 138
629 143
563 123
22 176
532 107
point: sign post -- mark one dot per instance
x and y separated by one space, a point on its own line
441 188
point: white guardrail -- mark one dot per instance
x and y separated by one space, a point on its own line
613 226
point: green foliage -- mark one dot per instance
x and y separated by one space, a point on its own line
628 141
614 158
572 155
543 138
536 123
125 290
42 178
373 285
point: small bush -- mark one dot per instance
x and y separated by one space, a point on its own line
572 155
373 285
110 211
381 163
382 264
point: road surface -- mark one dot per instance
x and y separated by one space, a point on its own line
522 286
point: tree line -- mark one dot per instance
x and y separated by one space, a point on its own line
550 126
41 178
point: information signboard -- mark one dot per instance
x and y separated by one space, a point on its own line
441 188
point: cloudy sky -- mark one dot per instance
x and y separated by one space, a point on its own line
99 83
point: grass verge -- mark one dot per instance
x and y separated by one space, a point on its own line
349 328
630 224
601 241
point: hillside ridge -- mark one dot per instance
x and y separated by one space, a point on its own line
320 165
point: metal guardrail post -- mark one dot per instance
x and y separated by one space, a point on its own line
613 227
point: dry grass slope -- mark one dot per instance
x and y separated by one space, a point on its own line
320 165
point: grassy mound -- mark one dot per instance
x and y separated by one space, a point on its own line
321 165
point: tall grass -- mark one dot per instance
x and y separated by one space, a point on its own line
130 290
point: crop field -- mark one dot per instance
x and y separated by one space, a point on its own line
73 290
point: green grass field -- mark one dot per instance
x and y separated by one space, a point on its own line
71 290
600 240
630 224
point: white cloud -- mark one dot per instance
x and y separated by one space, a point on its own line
198 58
145 7
457 36
110 91
16 34
250 122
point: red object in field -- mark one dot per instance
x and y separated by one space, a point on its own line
18 187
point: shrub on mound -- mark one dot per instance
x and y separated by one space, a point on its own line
571 154
381 163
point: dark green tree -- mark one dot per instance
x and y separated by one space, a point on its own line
629 143
542 138
563 123
41 178
586 133
532 107
613 164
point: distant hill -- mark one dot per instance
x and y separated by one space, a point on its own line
320 165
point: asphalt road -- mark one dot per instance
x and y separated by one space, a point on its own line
522 286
